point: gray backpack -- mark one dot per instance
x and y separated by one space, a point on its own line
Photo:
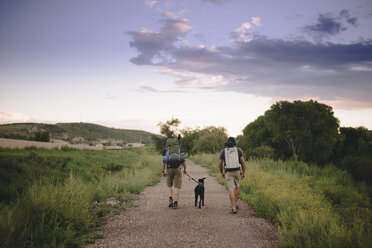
231 158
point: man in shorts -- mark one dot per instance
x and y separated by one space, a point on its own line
232 158
174 178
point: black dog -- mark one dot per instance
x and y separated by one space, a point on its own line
199 191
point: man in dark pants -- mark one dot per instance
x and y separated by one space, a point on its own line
232 158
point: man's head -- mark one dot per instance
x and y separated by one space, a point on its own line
231 140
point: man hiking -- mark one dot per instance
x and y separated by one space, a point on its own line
232 158
173 160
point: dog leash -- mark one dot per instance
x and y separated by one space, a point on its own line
191 177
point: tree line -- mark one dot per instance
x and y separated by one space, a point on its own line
309 131
304 130
207 140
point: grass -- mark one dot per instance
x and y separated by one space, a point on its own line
311 206
55 198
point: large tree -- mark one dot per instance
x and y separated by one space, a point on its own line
308 128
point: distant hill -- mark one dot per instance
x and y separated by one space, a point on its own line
86 133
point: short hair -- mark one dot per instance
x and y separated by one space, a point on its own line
231 140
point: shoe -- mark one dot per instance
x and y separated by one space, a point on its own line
170 202
237 207
233 211
175 205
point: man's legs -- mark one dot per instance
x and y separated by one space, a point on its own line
233 179
232 198
177 186
236 195
170 197
176 194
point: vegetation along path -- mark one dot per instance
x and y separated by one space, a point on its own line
150 223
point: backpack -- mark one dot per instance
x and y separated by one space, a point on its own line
174 155
231 158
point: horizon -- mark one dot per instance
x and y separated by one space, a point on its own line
132 64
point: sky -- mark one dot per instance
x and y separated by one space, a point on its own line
134 63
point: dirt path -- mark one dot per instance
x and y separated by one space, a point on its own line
152 224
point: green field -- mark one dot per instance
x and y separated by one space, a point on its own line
311 206
55 198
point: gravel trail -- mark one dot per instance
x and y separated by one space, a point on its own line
150 223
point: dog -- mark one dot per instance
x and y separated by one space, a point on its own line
199 191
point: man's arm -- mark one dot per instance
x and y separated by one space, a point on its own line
243 165
163 169
184 167
221 168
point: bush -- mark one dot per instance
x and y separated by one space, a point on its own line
261 152
360 167
42 136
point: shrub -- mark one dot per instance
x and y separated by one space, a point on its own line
261 152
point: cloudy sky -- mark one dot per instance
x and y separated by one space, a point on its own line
133 63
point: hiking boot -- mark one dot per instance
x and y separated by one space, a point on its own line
175 205
237 207
170 202
233 211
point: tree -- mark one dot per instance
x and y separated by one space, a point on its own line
353 152
257 134
189 138
167 130
308 128
210 140
170 127
42 136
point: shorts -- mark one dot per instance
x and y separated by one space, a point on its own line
233 179
174 175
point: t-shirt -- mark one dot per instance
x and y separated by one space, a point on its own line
240 154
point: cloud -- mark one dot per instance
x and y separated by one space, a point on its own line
352 20
216 1
150 89
154 46
256 21
242 31
147 89
110 97
244 27
329 25
14 117
151 3
262 66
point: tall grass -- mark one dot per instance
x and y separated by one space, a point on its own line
311 206
55 198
